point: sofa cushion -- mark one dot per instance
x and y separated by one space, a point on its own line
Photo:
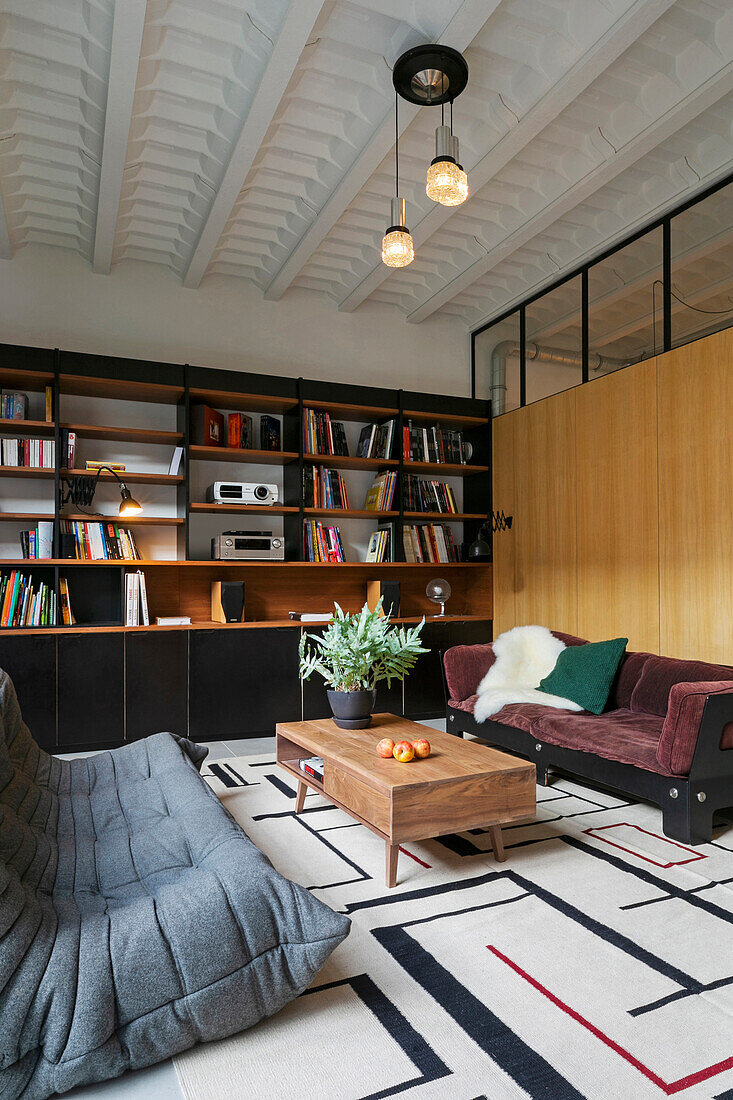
682 723
136 917
623 735
651 694
519 715
585 673
626 680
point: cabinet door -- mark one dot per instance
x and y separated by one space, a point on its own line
91 686
618 507
544 528
156 683
242 682
30 662
424 696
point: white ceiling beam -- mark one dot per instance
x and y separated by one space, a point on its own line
293 36
684 112
127 33
460 32
639 16
6 251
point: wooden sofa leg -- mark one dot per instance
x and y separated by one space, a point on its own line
687 820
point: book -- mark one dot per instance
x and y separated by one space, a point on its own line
313 766
173 620
207 426
49 404
175 463
143 598
44 536
132 616
269 433
92 465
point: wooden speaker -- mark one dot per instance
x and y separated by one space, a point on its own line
390 591
227 601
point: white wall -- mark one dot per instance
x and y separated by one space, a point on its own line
51 298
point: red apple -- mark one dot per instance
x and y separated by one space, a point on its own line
385 747
421 748
403 752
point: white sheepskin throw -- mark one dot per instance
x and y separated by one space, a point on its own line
523 656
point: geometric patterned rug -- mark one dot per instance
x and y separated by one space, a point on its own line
596 962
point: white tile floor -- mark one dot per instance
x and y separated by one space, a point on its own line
160 1082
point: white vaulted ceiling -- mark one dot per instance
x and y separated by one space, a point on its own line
255 139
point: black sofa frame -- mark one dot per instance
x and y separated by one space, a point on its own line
687 802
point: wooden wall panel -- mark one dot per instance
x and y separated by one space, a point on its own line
503 428
544 530
618 507
695 408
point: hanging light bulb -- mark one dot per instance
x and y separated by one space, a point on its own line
398 249
447 183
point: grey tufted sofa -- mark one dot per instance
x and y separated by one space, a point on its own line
136 917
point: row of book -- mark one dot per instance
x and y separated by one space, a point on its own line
381 495
422 495
25 602
136 610
322 543
426 542
433 444
14 405
323 488
98 541
375 440
322 435
381 543
37 542
209 428
36 454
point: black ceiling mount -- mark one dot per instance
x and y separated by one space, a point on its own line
430 75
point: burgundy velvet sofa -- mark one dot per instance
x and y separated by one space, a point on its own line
666 735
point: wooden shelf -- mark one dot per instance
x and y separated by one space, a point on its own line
22 517
130 478
208 563
80 385
126 521
241 509
25 471
241 455
26 427
447 469
243 402
125 435
358 413
448 420
348 513
346 462
18 379
448 517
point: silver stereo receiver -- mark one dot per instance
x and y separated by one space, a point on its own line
248 545
241 492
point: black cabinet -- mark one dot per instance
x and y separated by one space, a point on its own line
424 697
91 690
242 682
30 662
156 683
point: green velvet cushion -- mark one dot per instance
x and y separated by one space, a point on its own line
585 673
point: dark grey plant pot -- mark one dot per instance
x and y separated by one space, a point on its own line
352 710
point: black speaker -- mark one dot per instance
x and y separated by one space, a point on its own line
390 593
227 601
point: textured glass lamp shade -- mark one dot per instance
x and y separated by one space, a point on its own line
397 248
447 183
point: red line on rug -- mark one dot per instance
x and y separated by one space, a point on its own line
417 860
669 1089
594 830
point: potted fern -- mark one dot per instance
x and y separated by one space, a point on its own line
353 655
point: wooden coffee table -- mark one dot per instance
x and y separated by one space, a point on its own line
461 785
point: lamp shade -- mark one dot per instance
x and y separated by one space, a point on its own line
447 183
128 505
398 249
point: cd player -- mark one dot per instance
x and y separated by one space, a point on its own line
248 545
241 492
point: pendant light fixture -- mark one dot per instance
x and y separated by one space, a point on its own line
398 249
447 183
429 76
